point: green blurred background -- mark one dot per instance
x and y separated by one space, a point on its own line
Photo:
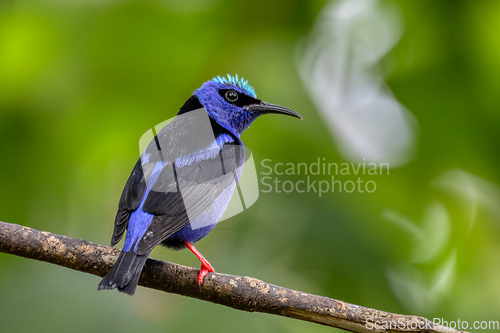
81 81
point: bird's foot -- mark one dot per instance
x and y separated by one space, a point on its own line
205 265
205 268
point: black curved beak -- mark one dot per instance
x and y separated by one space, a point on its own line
264 108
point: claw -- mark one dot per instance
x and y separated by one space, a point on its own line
205 265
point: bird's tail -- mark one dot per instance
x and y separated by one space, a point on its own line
124 275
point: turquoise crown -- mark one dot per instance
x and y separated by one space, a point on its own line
233 80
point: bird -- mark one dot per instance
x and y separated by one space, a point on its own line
182 182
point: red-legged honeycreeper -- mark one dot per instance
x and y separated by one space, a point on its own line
181 185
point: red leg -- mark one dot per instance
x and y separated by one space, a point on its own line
205 265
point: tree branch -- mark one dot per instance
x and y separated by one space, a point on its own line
242 293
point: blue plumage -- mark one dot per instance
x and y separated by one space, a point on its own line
233 80
139 219
181 186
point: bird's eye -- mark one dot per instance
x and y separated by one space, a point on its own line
231 96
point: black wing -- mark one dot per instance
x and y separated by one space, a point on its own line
197 186
129 201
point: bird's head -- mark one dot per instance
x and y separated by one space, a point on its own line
233 104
